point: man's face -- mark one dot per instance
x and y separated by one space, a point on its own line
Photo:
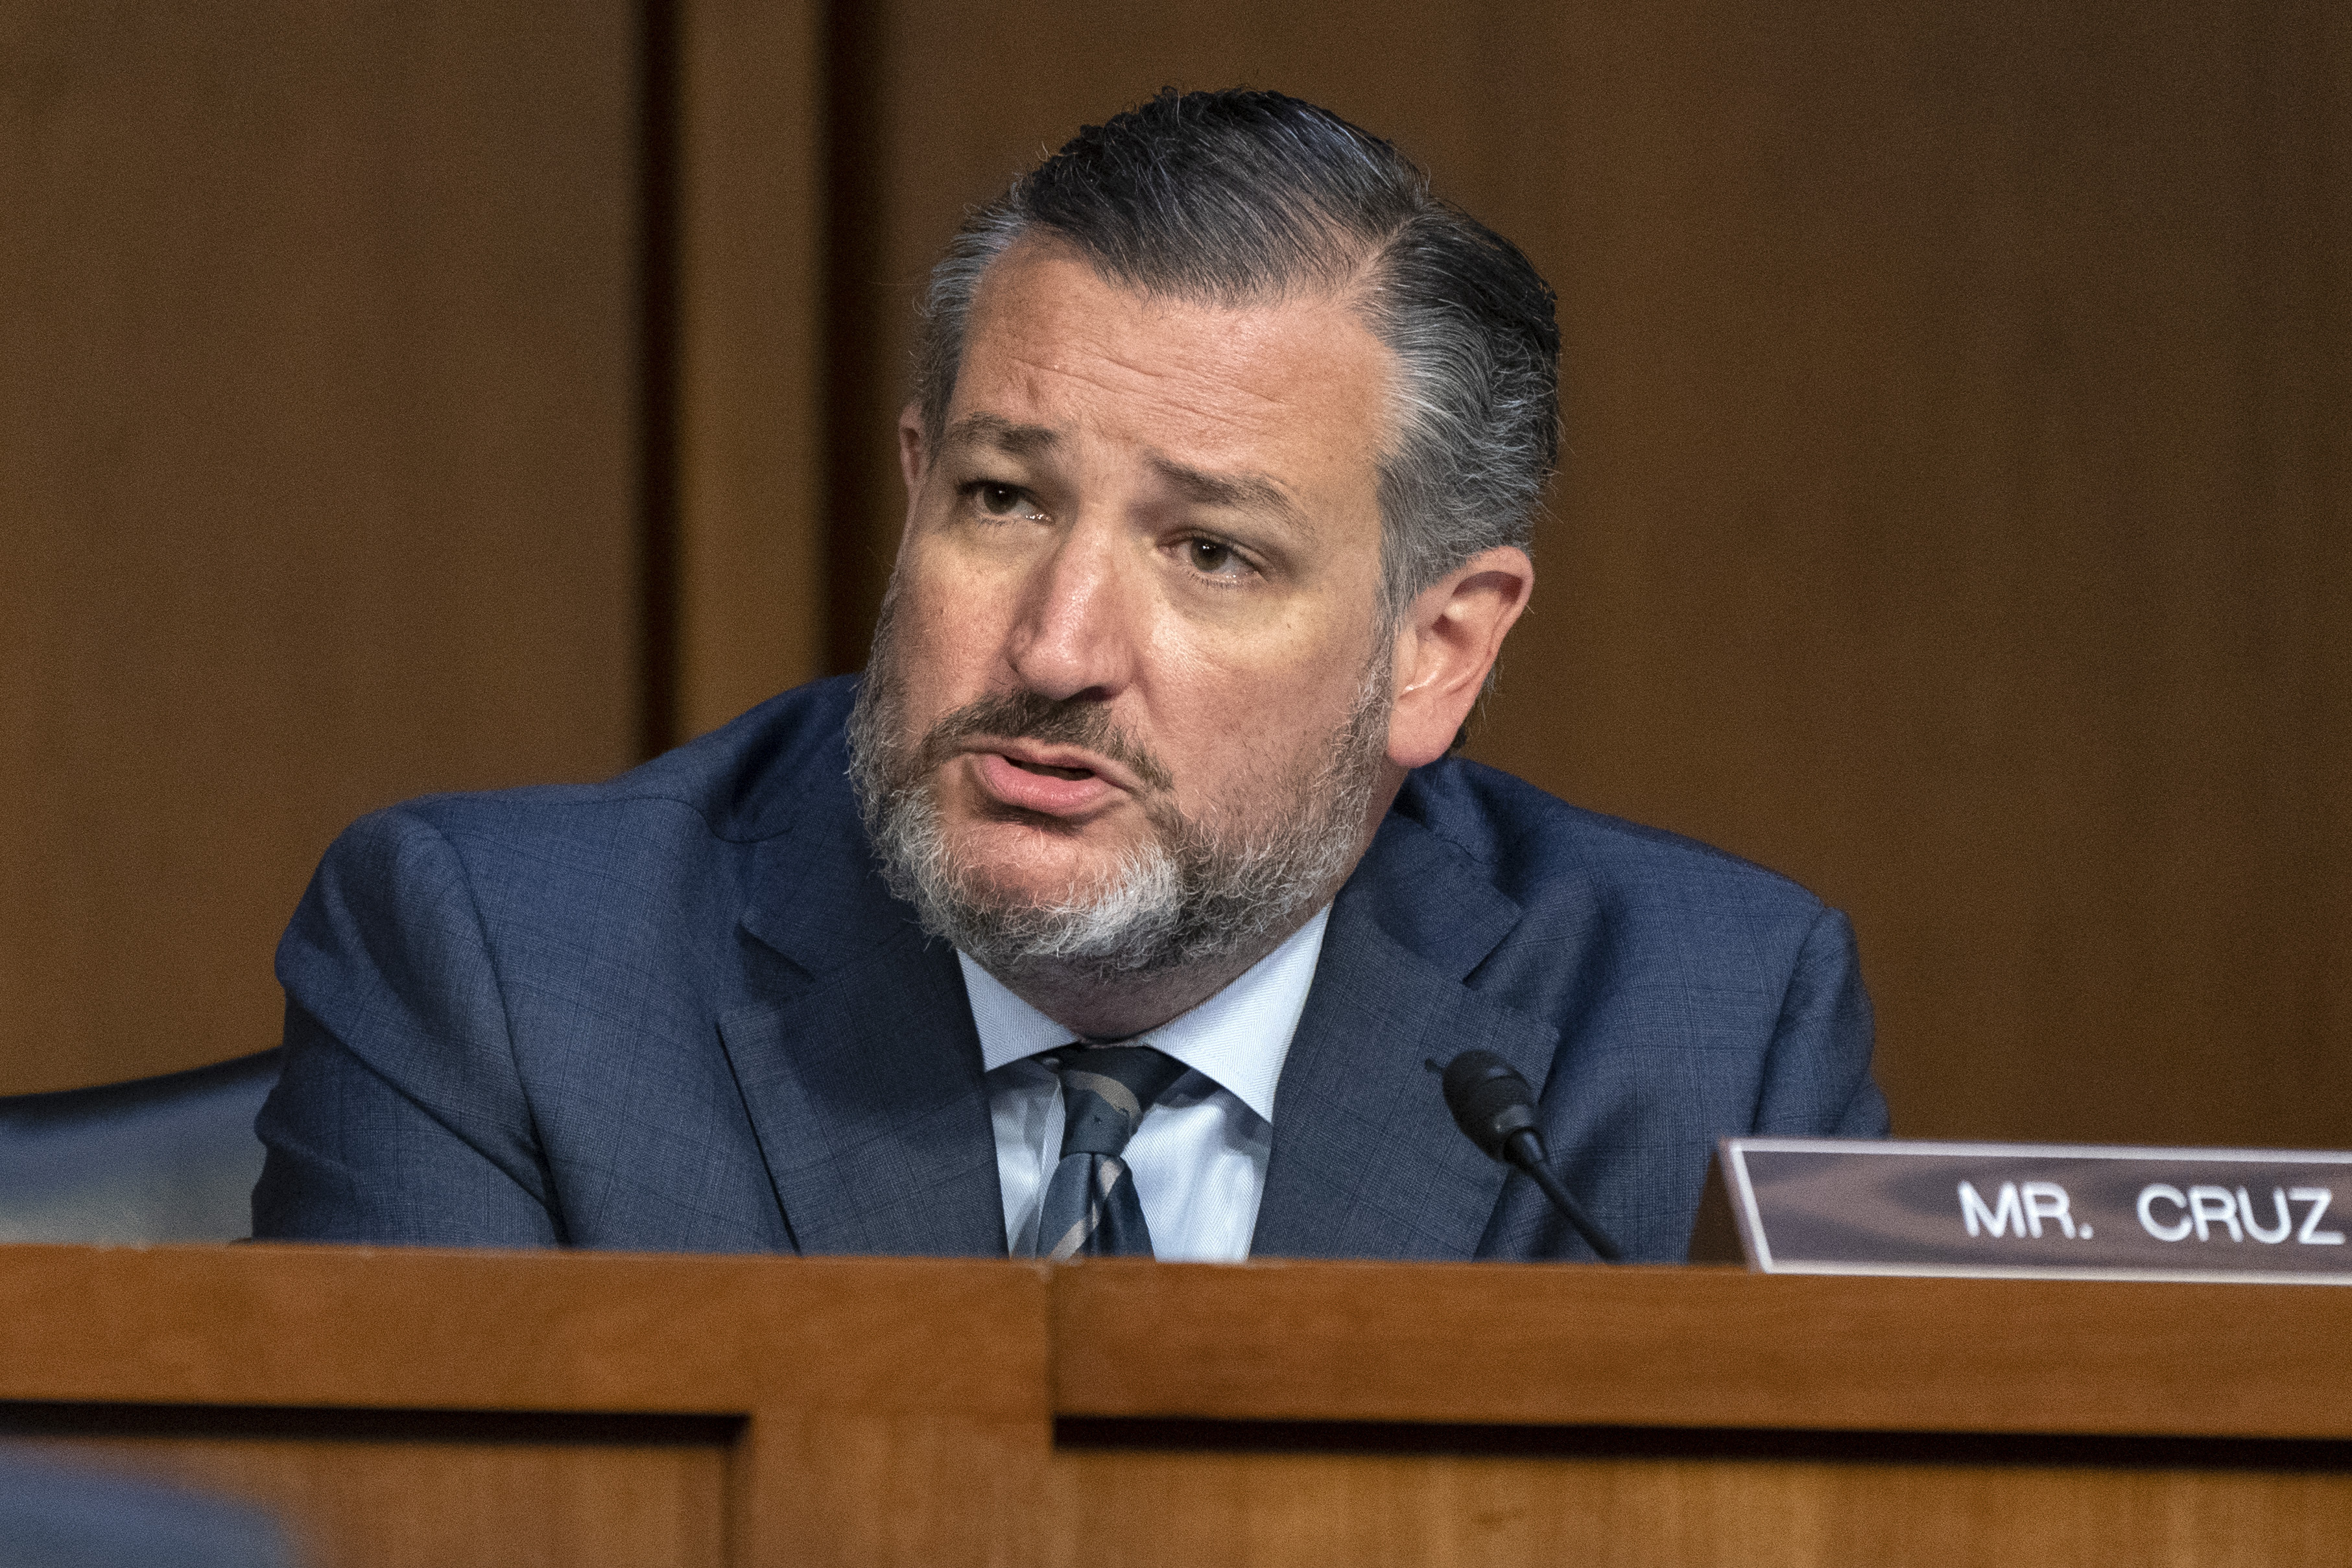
1137 588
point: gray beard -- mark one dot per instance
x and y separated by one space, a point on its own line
1196 893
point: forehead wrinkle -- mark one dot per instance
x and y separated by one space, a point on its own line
1173 382
1183 380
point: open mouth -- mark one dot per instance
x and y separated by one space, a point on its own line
1051 772
1054 789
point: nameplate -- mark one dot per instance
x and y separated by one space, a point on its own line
1834 1205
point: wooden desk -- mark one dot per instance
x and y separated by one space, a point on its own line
444 1408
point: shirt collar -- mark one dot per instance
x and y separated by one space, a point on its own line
1237 1038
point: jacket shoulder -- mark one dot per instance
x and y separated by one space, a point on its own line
1534 849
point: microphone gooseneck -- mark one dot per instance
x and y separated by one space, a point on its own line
1496 1108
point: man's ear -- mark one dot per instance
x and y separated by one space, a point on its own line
1445 646
913 458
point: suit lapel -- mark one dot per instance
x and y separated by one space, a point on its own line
1366 1161
858 1062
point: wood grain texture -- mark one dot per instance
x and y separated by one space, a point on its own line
896 1412
751 502
1956 514
393 1329
317 472
1698 1348
1959 520
1389 1511
395 1503
905 1488
407 1407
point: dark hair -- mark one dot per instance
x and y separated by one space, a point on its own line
1236 195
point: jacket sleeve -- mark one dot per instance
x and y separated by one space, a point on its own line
399 1115
1817 1078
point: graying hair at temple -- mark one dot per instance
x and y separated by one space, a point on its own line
1228 197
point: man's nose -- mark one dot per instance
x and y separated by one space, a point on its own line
1077 633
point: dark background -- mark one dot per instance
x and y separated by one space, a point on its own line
438 395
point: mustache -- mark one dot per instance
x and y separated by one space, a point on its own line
1056 722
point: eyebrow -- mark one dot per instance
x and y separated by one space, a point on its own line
1236 491
1242 492
995 430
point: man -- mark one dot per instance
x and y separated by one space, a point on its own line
1124 903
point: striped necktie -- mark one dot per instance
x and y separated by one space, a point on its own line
1091 1209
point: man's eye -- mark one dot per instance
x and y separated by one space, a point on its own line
1211 555
1000 500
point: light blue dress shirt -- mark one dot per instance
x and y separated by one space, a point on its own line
1199 1160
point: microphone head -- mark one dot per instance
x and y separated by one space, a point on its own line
1489 1100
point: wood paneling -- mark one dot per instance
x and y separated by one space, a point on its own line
751 505
317 472
1960 523
396 1405
1955 507
1700 1347
411 1329
897 1411
1379 1509
400 1501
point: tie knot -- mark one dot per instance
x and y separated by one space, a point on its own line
1106 1089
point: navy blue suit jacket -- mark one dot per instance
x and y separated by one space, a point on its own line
679 1011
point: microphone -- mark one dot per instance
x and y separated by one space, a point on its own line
1495 1107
